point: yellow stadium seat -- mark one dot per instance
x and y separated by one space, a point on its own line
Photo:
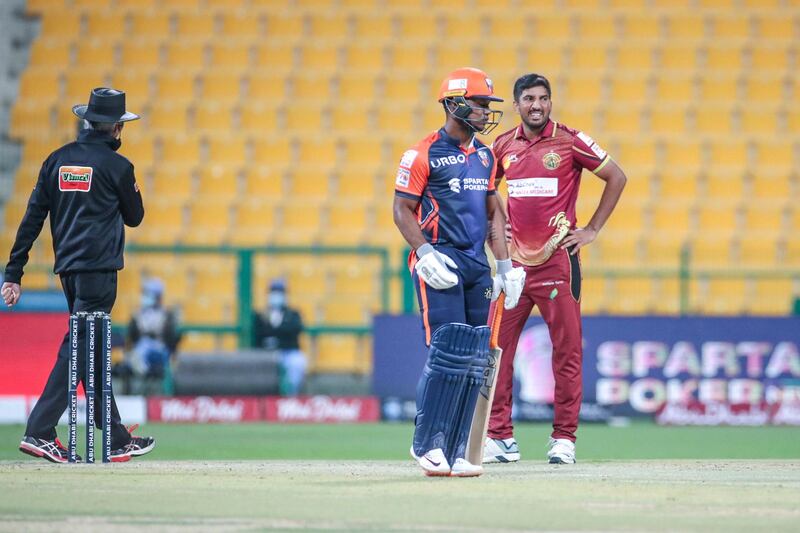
360 88
310 86
39 85
636 152
272 58
78 84
284 26
186 54
670 120
310 181
212 117
630 296
673 217
356 182
769 57
195 24
265 88
221 85
373 27
764 219
724 297
139 150
758 250
627 218
682 154
135 5
264 182
366 59
761 121
638 59
405 89
450 57
350 119
164 221
713 120
363 151
677 88
686 27
51 52
595 58
268 152
175 85
319 58
667 297
677 186
151 24
408 57
339 353
301 222
662 247
142 54
725 58
619 249
764 88
731 27
167 117
172 182
504 25
622 119
328 26
229 150
205 309
304 117
209 220
719 218
791 255
30 119
774 187
180 149
361 282
640 25
548 60
726 186
719 89
582 90
255 222
317 151
218 181
347 215
793 120
772 297
679 57
230 56
60 24
552 27
104 24
776 155
412 27
630 91
247 25
344 311
459 24
728 154
397 119
774 26
596 26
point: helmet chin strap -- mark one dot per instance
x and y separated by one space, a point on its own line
463 110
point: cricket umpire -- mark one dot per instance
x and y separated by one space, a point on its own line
90 193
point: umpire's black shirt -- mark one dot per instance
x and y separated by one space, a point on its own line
89 191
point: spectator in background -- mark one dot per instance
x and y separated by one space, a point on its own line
278 328
152 336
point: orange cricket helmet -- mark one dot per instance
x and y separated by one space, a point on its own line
468 82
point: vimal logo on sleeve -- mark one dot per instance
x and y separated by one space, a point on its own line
74 179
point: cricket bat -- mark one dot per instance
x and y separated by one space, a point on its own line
483 407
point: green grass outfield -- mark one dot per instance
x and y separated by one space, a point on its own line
357 478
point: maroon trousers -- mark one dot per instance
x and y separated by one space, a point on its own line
554 287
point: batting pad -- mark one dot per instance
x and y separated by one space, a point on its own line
457 445
443 381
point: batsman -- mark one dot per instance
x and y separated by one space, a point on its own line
446 207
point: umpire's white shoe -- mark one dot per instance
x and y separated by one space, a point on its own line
463 468
433 462
500 451
561 452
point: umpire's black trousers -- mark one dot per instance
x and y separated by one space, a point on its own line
85 291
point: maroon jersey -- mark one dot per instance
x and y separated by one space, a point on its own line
543 177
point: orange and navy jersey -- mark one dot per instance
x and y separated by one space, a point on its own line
543 177
451 185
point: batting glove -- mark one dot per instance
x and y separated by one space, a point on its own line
510 280
432 268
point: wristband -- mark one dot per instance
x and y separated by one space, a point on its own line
504 266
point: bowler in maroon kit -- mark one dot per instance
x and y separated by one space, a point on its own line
542 162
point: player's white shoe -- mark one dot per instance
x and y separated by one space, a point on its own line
434 463
463 468
500 451
561 452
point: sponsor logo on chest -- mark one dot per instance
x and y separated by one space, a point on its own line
74 179
448 160
551 160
